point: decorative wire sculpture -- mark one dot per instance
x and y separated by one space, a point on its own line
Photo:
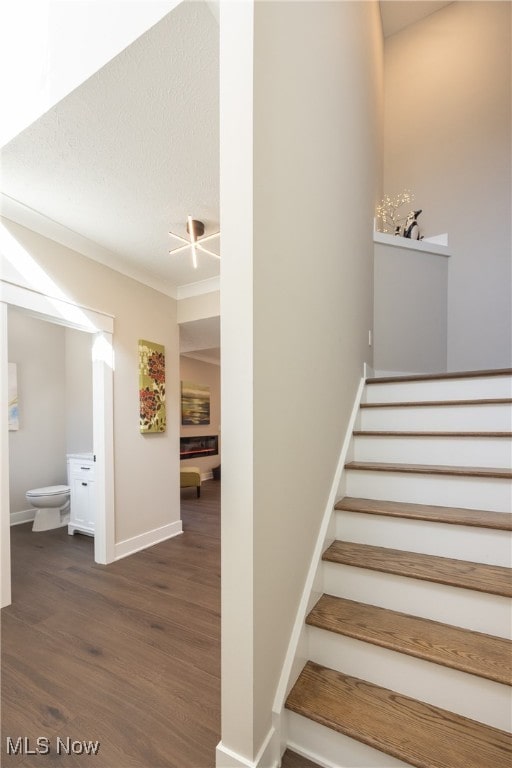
393 221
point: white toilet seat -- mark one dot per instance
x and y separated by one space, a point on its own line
49 490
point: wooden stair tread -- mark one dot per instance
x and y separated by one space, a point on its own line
430 469
417 733
493 579
398 433
440 376
450 515
473 652
431 403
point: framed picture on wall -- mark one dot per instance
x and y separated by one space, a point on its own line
151 387
12 373
195 404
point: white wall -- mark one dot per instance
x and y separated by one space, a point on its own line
37 451
299 179
410 325
146 466
207 375
448 138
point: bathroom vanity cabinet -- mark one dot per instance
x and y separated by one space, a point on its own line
81 481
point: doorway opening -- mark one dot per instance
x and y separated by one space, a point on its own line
100 328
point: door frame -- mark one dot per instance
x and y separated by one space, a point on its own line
101 327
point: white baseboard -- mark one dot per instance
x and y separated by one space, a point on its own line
148 539
206 475
267 757
23 516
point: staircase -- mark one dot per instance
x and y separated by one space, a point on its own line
410 661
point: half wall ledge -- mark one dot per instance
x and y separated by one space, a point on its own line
427 245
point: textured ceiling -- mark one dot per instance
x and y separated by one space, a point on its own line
130 153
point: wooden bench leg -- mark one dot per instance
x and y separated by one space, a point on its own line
198 491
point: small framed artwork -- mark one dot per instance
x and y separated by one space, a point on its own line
151 387
195 404
12 373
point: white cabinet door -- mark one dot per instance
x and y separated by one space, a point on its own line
83 508
82 503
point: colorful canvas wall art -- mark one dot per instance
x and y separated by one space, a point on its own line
195 404
12 373
152 387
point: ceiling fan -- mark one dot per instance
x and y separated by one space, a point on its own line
195 230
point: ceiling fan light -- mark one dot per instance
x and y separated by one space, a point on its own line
195 230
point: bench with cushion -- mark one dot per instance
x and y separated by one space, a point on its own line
190 477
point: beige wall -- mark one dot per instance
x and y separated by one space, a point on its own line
199 307
299 183
78 358
37 451
207 375
55 391
448 138
146 466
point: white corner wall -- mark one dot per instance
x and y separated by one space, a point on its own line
300 159
147 497
410 325
448 139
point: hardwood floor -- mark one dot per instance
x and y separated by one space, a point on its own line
127 655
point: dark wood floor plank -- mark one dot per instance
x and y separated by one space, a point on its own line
293 760
417 733
451 515
494 579
128 654
472 652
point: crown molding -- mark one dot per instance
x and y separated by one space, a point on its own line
22 214
210 285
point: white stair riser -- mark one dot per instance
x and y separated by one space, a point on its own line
462 451
450 689
331 749
480 418
479 611
493 494
442 389
461 542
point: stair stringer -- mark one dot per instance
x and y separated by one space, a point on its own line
297 652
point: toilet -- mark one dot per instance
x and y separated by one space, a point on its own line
52 506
